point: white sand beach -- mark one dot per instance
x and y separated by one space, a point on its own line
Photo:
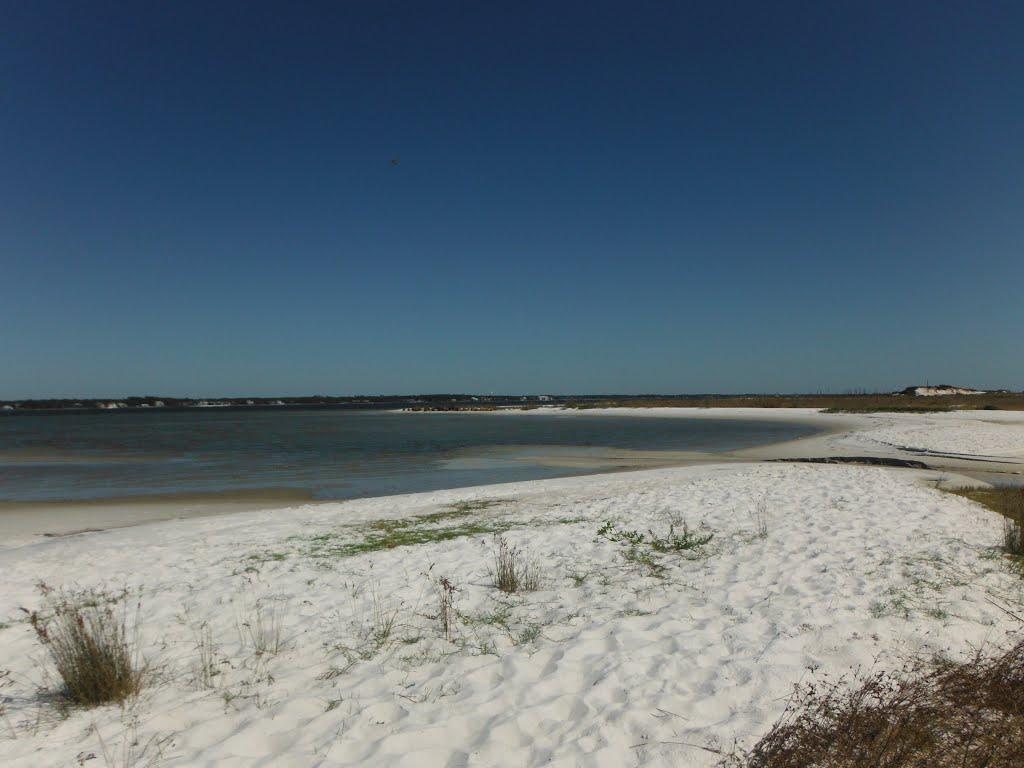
326 649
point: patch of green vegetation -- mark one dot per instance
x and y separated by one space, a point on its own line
528 635
642 546
454 521
360 538
644 559
333 672
636 612
267 557
426 656
928 581
477 646
499 617
878 609
402 534
473 505
937 613
896 605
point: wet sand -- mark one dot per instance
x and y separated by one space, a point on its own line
26 520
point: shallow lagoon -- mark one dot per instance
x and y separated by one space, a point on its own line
338 454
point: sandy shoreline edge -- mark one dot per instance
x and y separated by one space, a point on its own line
24 521
21 522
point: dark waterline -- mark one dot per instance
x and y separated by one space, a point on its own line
330 454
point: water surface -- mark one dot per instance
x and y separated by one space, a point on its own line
334 454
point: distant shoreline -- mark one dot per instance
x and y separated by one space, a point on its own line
854 402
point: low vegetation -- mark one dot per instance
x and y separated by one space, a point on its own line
91 644
937 714
513 572
421 529
204 669
759 516
445 591
262 628
1008 501
674 541
459 520
931 407
644 546
453 522
860 402
384 619
130 750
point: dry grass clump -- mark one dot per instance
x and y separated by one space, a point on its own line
262 629
1007 500
760 518
384 619
204 668
131 750
445 591
939 715
91 644
512 571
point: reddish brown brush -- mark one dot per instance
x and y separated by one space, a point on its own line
1007 500
936 715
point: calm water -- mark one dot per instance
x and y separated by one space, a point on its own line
328 453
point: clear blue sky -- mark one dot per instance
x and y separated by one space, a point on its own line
200 198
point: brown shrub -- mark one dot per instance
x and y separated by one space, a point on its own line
1007 500
935 715
89 641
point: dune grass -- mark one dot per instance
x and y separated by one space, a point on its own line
513 571
91 644
938 714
